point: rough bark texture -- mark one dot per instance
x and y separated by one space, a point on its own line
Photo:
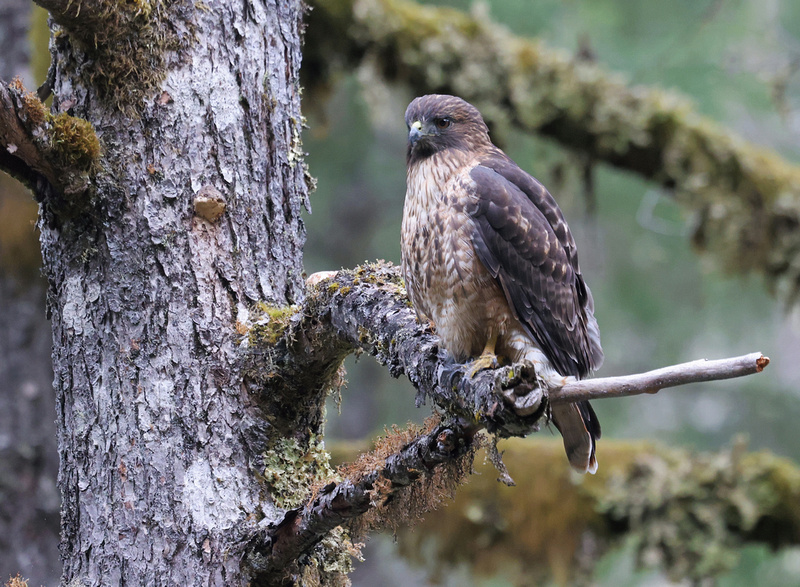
368 309
156 429
744 199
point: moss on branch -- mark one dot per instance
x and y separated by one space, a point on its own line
54 156
744 199
687 513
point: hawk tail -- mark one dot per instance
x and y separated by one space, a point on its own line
580 429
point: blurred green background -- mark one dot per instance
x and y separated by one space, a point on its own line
657 301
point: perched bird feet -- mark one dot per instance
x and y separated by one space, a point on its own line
483 362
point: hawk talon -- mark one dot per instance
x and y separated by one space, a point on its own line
482 363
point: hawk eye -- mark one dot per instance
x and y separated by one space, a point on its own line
443 123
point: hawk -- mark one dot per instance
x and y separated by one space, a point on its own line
489 260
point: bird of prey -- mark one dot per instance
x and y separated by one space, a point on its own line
489 260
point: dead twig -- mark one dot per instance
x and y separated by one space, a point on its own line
658 379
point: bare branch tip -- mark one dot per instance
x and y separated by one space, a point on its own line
761 362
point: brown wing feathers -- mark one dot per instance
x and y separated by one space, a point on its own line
515 240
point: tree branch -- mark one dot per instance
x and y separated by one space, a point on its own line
745 199
367 308
658 379
374 481
687 512
52 155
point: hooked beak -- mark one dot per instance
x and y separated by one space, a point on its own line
415 133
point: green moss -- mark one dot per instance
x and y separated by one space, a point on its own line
331 561
292 469
127 42
689 515
269 323
74 141
33 109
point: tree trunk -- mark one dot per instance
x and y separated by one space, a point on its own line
156 430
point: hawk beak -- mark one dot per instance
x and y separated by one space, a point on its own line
415 133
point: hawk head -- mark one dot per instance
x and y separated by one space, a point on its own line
437 122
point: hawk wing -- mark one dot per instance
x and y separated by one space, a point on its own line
522 238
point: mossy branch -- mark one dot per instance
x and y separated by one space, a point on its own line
367 309
686 513
53 155
745 200
439 457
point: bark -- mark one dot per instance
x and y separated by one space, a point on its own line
744 200
156 429
658 379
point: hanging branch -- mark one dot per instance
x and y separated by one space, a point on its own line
366 487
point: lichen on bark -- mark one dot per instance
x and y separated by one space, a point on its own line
687 514
130 43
